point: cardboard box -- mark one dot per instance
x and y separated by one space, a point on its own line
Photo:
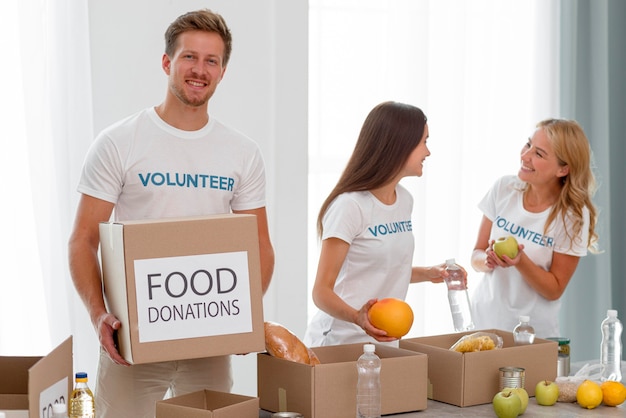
466 379
208 404
184 287
29 386
328 390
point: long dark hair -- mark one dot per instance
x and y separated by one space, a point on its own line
389 134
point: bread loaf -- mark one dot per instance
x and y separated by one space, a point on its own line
282 343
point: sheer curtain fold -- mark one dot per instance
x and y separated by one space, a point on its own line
594 93
48 129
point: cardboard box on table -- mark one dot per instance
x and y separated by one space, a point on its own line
184 287
208 404
466 379
328 390
29 386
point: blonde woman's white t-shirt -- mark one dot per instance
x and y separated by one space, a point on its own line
378 263
151 170
502 295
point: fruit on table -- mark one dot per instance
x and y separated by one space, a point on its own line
392 315
546 393
507 404
523 396
506 246
613 393
589 394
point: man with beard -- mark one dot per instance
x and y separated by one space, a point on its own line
170 160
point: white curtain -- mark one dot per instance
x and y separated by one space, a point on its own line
46 119
485 72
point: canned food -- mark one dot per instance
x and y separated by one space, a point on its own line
512 377
287 415
563 362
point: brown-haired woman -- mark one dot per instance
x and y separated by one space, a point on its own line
365 228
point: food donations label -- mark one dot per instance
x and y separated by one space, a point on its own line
193 296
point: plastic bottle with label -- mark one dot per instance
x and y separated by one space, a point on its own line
524 333
82 402
611 347
458 297
368 384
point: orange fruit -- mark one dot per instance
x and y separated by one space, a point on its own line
392 315
613 393
589 394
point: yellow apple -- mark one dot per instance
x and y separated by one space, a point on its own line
546 393
506 246
523 395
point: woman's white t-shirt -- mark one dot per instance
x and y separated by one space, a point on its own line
502 295
378 263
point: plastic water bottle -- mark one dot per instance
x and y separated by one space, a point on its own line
611 353
524 333
368 385
82 403
458 297
59 410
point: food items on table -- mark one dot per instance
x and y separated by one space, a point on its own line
282 343
477 341
567 390
589 394
613 393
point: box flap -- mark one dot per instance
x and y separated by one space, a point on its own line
50 380
14 372
114 268
208 404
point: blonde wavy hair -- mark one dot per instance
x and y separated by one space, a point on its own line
571 147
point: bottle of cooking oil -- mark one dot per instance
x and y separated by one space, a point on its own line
82 402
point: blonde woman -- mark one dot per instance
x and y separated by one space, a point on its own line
548 208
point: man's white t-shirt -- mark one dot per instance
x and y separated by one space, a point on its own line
502 295
152 170
378 263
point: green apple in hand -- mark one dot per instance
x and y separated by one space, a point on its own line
506 246
546 393
507 404
523 395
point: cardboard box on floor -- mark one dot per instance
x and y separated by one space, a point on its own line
208 404
328 390
184 287
466 379
29 386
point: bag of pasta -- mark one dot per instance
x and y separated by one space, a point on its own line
478 341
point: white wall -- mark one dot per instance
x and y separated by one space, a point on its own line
263 94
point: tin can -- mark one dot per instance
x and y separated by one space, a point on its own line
563 359
512 377
287 415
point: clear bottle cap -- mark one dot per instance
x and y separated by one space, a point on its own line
450 261
369 348
524 318
612 313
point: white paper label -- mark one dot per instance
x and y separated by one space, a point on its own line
56 393
193 296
